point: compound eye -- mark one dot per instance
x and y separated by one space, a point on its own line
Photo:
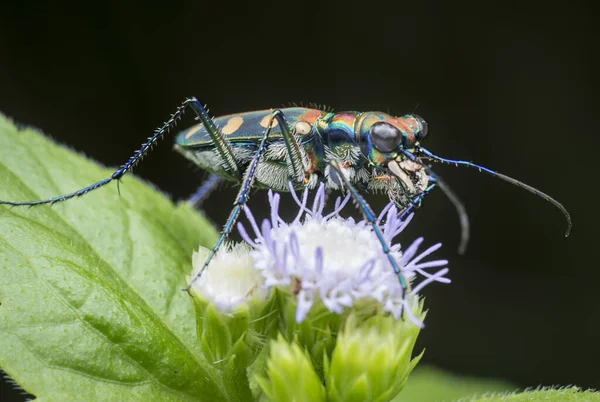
385 137
422 133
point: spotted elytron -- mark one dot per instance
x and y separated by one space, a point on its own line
297 147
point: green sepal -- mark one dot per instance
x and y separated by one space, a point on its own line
239 322
225 343
290 375
372 358
242 353
233 340
317 333
266 320
215 339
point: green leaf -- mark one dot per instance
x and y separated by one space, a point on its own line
90 289
564 394
428 384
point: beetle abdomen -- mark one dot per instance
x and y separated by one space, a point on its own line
244 132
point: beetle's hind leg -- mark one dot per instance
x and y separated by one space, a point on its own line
221 145
204 191
296 172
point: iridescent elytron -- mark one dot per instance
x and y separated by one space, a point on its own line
353 151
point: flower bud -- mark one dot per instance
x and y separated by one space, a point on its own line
228 298
290 375
372 357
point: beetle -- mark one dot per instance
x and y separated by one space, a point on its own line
298 147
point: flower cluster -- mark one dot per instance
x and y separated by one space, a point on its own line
216 284
338 260
309 310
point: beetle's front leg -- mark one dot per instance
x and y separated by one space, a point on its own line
370 217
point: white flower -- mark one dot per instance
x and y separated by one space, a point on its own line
337 260
231 279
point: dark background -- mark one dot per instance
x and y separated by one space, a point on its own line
511 86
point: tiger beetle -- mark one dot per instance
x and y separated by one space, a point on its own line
298 147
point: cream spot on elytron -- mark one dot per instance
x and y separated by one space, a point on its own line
303 128
193 131
265 121
232 125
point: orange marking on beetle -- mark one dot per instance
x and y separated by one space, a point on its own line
232 125
303 128
265 121
405 126
194 131
347 118
311 115
385 177
313 161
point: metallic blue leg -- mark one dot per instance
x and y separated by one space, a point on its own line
204 190
220 144
462 213
416 201
242 196
369 215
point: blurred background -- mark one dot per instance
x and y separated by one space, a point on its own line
512 86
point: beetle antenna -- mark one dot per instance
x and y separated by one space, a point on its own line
460 210
416 107
508 179
463 217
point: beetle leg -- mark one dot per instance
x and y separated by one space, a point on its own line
415 202
241 199
296 169
119 173
220 144
204 190
370 217
219 141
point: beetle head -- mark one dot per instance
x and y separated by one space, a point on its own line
384 137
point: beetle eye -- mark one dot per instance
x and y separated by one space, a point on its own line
423 131
385 137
